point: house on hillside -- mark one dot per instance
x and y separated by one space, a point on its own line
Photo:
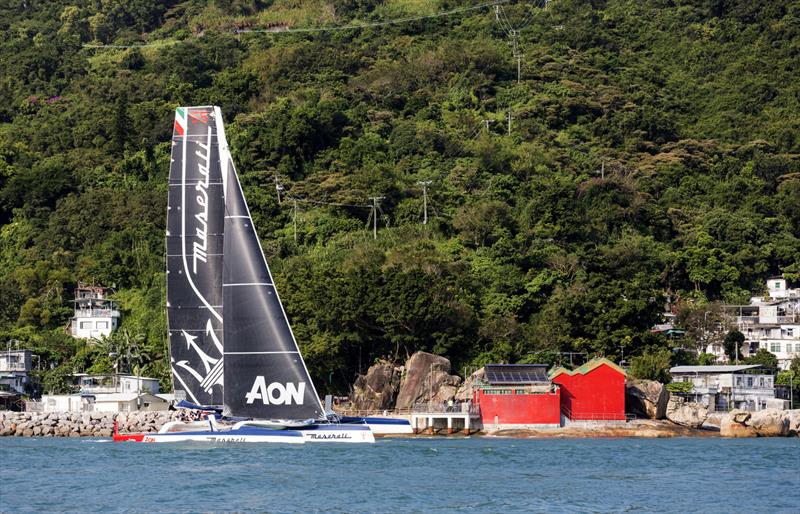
15 371
95 314
770 322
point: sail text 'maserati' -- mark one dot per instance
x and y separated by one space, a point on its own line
200 249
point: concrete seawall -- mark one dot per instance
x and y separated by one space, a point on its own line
77 424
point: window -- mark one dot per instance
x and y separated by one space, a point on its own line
738 381
790 332
775 347
102 324
87 325
749 381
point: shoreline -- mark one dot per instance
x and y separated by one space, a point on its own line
101 424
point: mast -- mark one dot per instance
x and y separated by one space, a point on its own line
194 240
265 375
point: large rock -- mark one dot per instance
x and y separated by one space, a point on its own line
377 390
688 414
426 378
794 422
646 398
734 424
470 385
770 423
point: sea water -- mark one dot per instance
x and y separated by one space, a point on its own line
476 474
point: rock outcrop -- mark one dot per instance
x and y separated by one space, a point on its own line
646 398
734 424
377 390
426 377
464 392
770 423
688 414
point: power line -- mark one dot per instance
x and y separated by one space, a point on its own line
380 23
310 30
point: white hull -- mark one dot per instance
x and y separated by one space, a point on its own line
338 434
390 429
220 437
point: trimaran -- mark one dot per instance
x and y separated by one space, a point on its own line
230 340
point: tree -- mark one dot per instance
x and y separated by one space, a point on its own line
764 358
733 344
652 365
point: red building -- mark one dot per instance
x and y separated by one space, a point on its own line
518 396
594 391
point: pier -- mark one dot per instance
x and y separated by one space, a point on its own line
465 416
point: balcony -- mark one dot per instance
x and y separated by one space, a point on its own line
97 313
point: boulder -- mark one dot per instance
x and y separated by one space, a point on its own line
426 378
734 424
770 423
466 390
688 414
794 422
377 390
646 398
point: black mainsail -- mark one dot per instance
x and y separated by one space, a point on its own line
194 256
265 375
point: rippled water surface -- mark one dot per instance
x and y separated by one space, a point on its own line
403 475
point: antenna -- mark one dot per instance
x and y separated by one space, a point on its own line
424 184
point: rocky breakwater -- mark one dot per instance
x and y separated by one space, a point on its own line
77 424
764 423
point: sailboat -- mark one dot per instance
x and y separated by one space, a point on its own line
230 339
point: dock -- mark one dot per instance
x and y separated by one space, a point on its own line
466 418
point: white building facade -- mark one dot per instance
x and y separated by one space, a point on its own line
15 369
95 315
770 322
724 387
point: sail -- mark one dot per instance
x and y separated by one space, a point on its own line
265 375
195 215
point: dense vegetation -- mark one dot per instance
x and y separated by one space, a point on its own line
691 109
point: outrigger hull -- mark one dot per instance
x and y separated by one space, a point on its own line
382 426
337 433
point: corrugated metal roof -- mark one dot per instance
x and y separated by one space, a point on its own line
713 369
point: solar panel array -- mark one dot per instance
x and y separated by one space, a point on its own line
497 374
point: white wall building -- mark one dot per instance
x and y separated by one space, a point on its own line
723 387
104 384
95 315
770 322
15 368
106 402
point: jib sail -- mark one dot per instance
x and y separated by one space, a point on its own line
265 376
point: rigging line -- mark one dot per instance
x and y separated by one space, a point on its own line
335 204
380 23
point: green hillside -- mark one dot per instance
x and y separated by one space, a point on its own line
691 109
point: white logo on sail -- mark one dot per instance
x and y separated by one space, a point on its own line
200 249
214 368
276 393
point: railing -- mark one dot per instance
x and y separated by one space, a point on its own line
97 313
592 416
458 408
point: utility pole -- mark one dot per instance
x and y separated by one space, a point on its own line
278 188
424 184
294 220
375 201
509 122
486 124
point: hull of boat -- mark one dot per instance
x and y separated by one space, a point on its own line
382 426
241 435
337 433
